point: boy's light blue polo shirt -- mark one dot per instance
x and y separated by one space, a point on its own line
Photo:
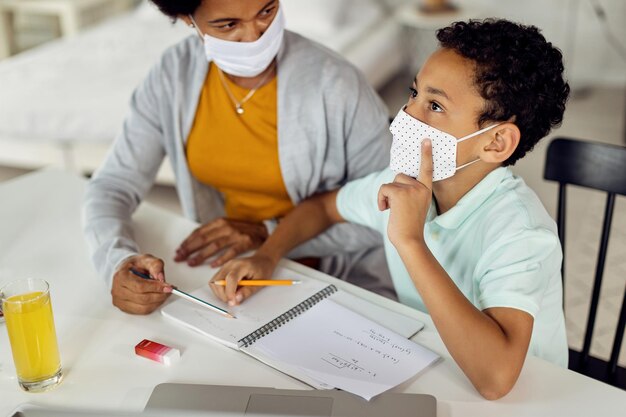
498 244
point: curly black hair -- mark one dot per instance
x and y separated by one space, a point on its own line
517 72
175 8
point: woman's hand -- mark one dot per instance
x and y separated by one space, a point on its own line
136 295
409 200
254 267
232 236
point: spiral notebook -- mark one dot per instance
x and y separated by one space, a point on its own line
314 332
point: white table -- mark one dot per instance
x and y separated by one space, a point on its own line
40 236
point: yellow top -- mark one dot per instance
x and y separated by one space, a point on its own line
238 153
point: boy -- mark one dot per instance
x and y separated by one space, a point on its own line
466 242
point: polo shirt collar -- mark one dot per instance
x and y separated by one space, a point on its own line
471 201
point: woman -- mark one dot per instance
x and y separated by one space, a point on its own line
253 119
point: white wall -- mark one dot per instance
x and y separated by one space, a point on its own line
572 26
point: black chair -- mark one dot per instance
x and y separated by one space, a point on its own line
600 167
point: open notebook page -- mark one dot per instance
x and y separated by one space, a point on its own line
337 347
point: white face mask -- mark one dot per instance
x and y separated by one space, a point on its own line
408 134
245 59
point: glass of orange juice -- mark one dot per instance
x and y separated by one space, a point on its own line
28 314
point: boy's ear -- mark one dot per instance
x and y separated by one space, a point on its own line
503 143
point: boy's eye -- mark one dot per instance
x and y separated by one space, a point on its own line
412 92
228 25
267 11
434 106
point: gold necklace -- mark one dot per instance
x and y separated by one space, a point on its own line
238 104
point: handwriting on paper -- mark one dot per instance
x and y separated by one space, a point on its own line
373 340
349 364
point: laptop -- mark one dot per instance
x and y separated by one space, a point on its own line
192 400
30 410
256 401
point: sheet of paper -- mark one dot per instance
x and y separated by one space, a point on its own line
402 324
336 346
261 308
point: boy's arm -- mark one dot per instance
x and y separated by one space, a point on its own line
490 346
307 220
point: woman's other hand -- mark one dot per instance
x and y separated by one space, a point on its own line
233 237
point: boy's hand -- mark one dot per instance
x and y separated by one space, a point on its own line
409 200
254 267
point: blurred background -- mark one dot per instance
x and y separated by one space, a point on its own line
68 68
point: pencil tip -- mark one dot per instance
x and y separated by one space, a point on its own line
296 282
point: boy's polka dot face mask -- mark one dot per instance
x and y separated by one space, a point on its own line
408 134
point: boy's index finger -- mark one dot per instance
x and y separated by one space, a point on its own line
232 281
425 175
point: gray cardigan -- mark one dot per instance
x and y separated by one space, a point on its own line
332 128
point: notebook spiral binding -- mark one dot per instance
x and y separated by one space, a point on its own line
285 317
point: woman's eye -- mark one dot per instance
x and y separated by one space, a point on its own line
412 92
435 107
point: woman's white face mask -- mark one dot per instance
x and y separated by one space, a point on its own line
406 148
245 59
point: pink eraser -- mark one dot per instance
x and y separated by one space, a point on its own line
157 352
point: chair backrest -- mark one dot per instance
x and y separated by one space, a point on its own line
588 164
601 167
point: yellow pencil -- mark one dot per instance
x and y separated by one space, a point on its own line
259 282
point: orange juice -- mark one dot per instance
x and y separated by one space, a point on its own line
32 335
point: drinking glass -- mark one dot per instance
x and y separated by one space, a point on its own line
28 314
